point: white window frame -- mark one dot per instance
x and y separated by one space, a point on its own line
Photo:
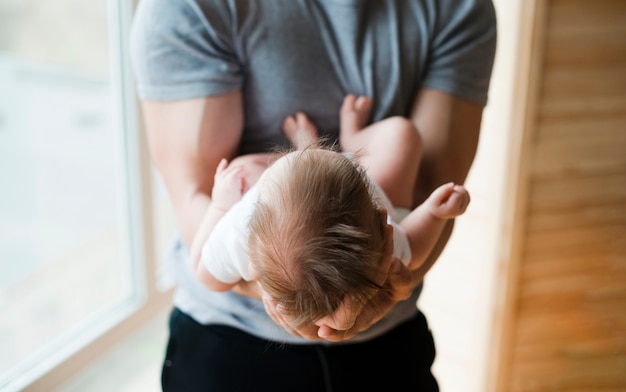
89 340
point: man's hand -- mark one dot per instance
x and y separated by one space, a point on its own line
352 318
347 322
273 310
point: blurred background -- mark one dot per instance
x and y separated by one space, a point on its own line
76 230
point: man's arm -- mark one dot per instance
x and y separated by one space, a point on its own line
187 139
424 225
449 127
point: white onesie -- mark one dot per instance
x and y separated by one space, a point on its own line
225 253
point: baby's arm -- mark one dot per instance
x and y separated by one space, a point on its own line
425 223
228 189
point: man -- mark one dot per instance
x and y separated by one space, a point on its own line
217 78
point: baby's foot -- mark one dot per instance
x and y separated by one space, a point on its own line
448 201
300 131
355 112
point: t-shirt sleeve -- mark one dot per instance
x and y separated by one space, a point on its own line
177 53
463 49
401 245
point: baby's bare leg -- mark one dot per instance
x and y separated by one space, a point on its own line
390 150
353 117
300 131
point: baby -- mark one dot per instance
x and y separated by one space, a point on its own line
316 227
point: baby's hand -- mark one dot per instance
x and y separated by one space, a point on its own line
229 185
448 201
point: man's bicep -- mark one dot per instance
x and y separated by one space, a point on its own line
449 127
187 139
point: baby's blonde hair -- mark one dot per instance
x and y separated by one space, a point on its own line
318 236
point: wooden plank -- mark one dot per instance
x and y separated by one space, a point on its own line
607 239
545 359
610 251
539 314
570 156
582 106
574 192
604 374
582 128
584 215
573 284
554 266
559 348
575 82
567 278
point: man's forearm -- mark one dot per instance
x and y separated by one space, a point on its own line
211 217
190 216
187 139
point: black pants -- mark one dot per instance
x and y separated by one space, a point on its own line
220 358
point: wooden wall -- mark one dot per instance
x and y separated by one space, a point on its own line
565 316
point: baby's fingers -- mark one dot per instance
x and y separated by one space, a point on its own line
221 166
459 199
442 193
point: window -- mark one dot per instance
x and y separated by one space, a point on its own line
77 259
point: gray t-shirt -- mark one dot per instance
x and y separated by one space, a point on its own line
296 55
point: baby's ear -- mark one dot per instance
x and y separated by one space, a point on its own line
252 271
384 217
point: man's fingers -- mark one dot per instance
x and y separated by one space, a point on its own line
353 317
310 332
344 317
332 335
273 310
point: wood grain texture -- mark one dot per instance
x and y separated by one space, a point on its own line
568 329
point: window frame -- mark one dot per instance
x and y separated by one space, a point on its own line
52 369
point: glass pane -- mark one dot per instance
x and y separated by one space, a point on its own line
164 230
62 263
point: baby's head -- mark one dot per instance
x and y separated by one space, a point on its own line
316 235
